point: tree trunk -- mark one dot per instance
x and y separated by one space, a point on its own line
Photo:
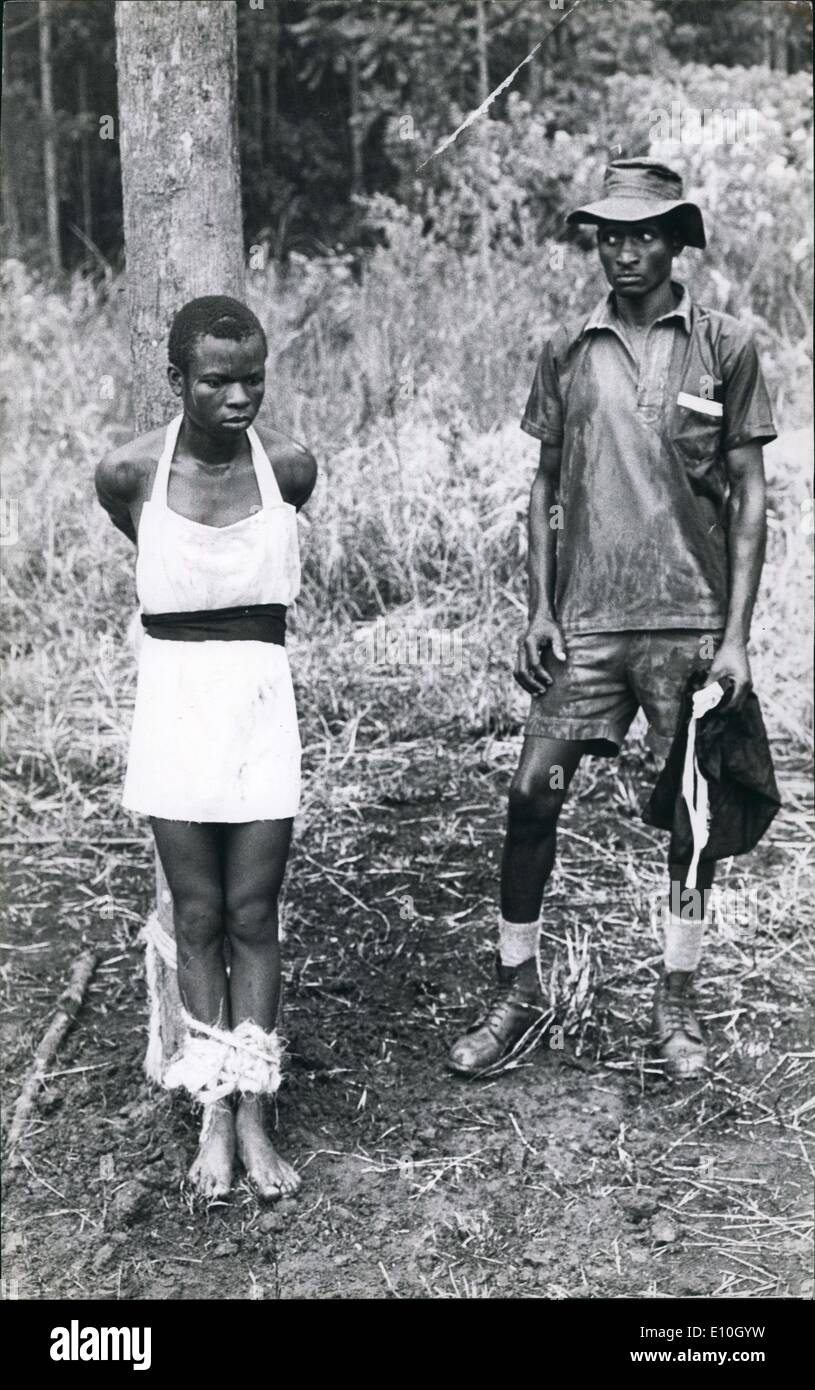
485 229
85 154
769 46
783 40
177 73
12 224
257 121
272 77
355 125
12 238
534 80
534 85
483 57
176 61
49 139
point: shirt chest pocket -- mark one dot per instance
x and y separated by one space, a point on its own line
697 411
697 425
696 434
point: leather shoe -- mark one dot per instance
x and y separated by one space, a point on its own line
677 1031
509 1018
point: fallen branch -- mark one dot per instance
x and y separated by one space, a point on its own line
68 1006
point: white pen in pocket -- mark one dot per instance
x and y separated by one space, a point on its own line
700 403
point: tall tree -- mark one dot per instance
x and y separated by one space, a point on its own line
177 66
49 139
272 77
176 61
482 47
84 151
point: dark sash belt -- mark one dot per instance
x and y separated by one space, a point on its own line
257 622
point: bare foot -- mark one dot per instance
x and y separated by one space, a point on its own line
272 1175
211 1173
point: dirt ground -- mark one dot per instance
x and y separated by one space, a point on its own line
581 1172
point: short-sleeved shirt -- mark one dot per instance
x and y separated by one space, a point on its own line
640 540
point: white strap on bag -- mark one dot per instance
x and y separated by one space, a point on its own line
694 785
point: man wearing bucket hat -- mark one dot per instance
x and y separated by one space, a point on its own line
646 542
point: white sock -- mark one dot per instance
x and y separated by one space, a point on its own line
683 943
517 941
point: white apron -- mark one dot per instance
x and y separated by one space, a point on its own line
214 734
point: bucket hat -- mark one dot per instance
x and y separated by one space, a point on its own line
635 190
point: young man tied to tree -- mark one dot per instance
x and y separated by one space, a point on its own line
647 534
214 760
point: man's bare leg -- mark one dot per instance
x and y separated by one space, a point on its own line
536 798
190 855
254 864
